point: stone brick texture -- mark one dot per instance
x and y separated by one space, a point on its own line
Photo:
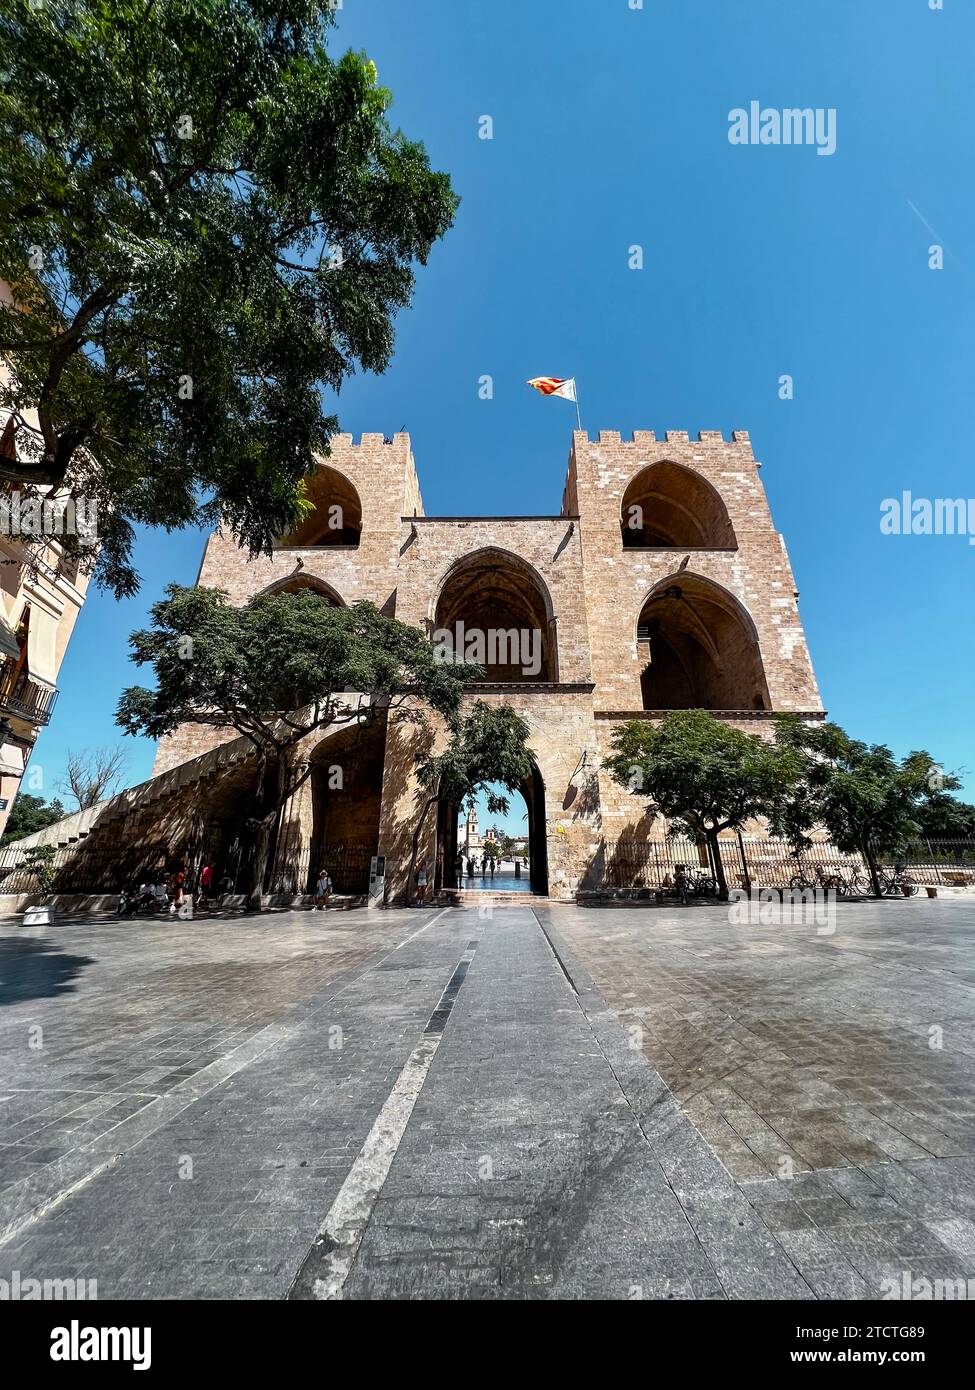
592 590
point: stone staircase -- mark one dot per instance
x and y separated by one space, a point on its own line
476 897
81 824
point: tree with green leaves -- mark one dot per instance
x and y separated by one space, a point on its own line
487 745
39 861
277 670
944 817
204 221
29 814
701 773
869 801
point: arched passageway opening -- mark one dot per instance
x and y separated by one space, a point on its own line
333 820
307 583
667 505
471 839
495 610
336 518
699 649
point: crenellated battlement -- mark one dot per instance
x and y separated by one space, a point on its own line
371 441
643 438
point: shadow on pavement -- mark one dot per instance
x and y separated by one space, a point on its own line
31 969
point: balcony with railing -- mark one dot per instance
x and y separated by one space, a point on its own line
24 697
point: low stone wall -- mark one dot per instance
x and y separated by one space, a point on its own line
80 904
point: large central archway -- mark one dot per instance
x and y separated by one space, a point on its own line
452 854
498 611
700 648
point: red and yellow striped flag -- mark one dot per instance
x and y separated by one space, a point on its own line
555 386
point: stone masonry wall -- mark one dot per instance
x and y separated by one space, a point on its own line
594 591
618 580
384 476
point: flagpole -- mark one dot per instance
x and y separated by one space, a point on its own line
578 415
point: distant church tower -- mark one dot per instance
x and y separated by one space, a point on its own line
472 838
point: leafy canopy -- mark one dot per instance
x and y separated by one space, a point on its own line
205 220
487 745
702 772
280 666
945 817
865 797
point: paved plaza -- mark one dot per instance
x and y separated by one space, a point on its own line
525 1101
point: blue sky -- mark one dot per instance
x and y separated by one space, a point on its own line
610 130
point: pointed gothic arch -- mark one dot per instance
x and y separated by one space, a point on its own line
337 516
296 583
700 648
497 593
668 505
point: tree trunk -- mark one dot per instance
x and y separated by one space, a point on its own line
872 866
712 839
264 830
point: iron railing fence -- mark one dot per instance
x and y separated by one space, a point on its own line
767 862
81 868
297 870
624 865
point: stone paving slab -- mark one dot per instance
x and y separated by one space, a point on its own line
622 1105
82 1067
806 1064
568 1166
224 1198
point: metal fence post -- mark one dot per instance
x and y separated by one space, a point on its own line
746 876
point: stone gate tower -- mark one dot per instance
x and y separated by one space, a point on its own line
660 584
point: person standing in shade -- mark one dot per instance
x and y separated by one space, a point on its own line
206 882
421 883
323 891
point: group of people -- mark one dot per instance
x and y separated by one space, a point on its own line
488 863
167 891
157 894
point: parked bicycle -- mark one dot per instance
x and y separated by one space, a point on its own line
896 882
699 884
832 880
